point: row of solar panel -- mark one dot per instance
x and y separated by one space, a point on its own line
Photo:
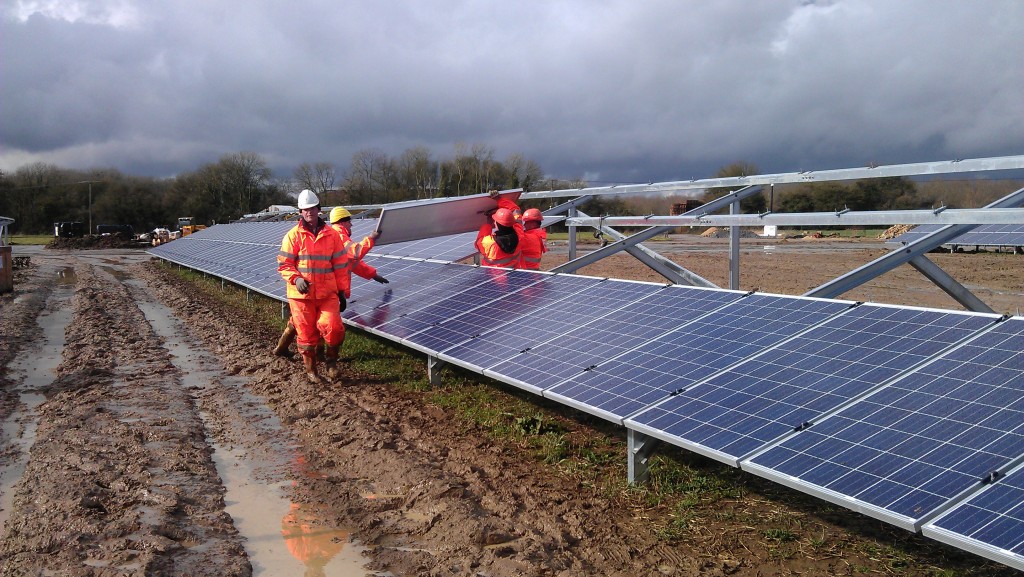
984 235
902 413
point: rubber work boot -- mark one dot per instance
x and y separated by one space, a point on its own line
309 363
331 361
285 342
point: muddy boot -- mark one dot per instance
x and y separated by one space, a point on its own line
331 362
309 361
285 341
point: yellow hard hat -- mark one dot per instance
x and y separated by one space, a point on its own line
338 213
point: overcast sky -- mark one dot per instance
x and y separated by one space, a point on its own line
607 90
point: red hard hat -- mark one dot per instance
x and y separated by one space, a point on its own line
533 214
504 217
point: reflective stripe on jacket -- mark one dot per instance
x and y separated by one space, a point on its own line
534 247
320 259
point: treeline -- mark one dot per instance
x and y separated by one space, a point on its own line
38 194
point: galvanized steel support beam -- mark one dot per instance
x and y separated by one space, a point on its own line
888 262
948 284
640 447
434 366
659 264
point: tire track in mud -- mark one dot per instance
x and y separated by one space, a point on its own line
120 478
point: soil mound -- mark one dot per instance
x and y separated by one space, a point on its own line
895 230
723 232
92 241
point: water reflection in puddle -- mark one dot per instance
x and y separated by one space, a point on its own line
38 364
281 537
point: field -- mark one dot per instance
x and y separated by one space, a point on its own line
148 431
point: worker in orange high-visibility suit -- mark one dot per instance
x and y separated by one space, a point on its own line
341 221
535 239
314 265
501 244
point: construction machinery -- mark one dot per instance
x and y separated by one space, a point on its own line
187 226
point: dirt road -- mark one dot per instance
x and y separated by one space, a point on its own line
147 431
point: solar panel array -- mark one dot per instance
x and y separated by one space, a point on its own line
984 235
913 416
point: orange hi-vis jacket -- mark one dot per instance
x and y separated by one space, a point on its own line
490 253
356 251
534 247
321 260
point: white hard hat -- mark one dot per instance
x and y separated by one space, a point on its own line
308 199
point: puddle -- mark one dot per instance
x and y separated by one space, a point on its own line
281 537
67 276
38 365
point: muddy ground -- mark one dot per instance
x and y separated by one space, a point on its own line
148 431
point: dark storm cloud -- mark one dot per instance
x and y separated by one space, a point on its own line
610 90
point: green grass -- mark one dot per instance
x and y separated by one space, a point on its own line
31 239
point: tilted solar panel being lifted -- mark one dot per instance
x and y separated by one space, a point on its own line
909 447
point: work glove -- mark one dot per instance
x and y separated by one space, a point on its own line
302 285
380 279
342 302
375 234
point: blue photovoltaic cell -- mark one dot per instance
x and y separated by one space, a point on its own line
585 297
637 313
991 523
760 400
370 302
508 311
476 287
912 446
984 235
655 369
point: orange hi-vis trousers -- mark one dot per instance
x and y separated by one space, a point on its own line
315 318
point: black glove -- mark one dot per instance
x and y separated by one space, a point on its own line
381 279
342 302
302 285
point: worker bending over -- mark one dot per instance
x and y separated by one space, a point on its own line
535 239
315 268
341 221
501 244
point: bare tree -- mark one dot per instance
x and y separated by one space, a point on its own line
417 172
365 178
318 177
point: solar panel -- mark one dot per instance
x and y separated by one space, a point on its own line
991 523
740 410
370 303
451 295
905 450
502 316
636 313
715 337
984 235
544 324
